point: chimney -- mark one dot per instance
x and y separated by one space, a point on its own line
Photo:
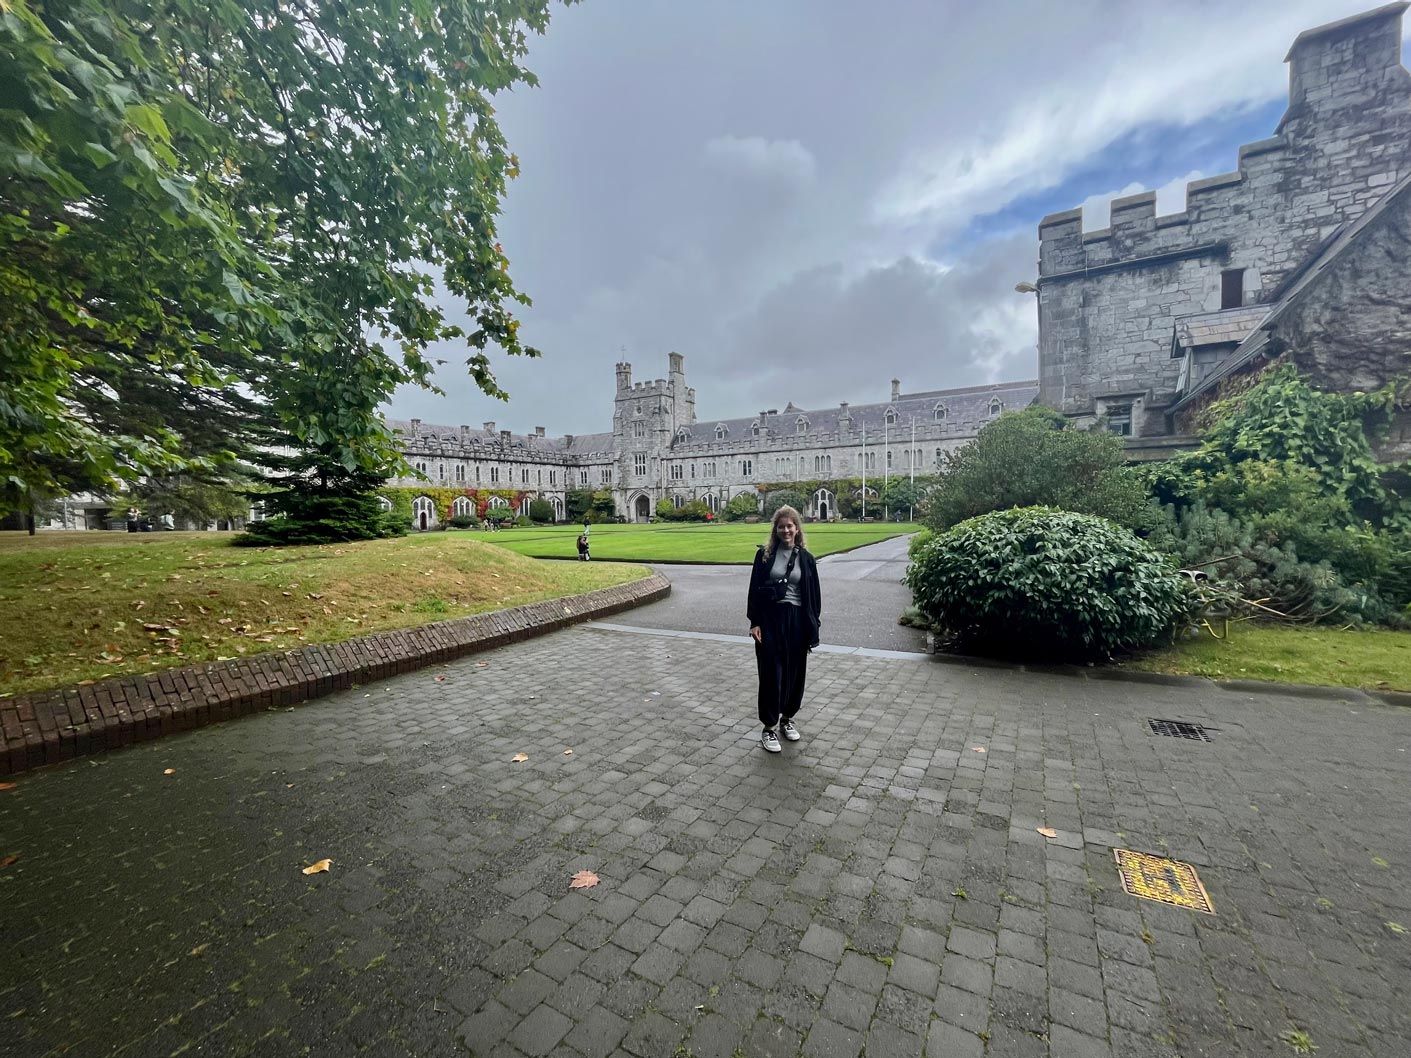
465 430
505 436
489 427
416 427
538 431
568 440
896 389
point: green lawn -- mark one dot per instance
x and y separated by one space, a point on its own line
728 544
1377 659
86 605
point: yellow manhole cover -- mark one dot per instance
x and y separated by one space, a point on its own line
1157 878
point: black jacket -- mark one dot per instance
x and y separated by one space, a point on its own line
808 588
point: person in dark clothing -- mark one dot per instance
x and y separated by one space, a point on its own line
783 610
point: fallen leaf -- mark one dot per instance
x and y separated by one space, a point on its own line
318 868
584 880
566 753
11 785
520 758
1047 832
200 949
979 749
289 786
1396 927
169 771
5 861
315 595
482 664
440 679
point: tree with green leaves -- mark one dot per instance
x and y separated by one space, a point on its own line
225 226
1032 458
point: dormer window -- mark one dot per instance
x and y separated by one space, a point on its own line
801 424
996 406
940 413
683 435
720 431
890 418
754 428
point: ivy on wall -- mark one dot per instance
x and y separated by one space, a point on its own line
401 499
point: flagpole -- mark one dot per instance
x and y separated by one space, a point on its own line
864 470
911 508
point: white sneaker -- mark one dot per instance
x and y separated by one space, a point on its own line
789 731
770 741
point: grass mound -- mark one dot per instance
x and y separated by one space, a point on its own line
86 606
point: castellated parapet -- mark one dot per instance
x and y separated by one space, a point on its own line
1109 300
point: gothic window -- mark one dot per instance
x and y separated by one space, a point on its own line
720 431
639 429
746 467
460 471
712 503
524 476
940 413
996 406
890 417
384 504
441 472
677 500
477 473
420 465
639 462
583 476
677 472
828 464
801 425
553 478
754 428
498 502
889 459
683 435
540 479
606 475
938 457
461 506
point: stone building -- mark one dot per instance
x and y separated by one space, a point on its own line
659 448
1303 243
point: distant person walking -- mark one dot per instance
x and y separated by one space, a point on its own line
583 555
783 610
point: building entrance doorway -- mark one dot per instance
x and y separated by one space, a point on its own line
644 508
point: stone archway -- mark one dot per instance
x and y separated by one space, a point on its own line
824 504
642 508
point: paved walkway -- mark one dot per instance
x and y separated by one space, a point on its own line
862 596
880 885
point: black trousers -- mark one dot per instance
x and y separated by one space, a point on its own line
782 659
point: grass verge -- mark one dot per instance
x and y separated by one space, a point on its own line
1377 659
86 606
727 544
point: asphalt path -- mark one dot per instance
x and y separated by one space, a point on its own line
862 598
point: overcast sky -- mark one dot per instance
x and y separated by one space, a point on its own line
809 197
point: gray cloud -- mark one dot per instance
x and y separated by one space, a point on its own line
786 192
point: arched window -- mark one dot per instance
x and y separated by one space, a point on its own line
996 406
801 425
384 504
720 431
940 412
683 435
754 428
938 457
461 506
712 503
889 459
498 501
890 417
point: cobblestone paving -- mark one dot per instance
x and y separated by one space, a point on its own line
879 886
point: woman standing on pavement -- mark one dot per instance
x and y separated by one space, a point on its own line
783 610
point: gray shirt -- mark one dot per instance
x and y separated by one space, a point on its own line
792 595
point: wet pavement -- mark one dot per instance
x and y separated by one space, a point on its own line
881 885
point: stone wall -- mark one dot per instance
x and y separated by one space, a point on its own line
1108 299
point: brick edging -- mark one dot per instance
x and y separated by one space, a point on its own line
52 726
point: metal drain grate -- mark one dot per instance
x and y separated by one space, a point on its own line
1180 729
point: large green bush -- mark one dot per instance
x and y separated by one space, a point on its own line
1033 457
1050 584
784 498
742 506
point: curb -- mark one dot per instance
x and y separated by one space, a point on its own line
53 726
1168 679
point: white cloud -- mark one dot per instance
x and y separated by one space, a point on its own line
1170 198
1172 65
788 161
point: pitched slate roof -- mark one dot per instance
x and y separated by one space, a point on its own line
966 410
451 438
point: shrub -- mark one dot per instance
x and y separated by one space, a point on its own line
1049 584
321 517
1033 457
741 507
784 498
462 521
541 511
